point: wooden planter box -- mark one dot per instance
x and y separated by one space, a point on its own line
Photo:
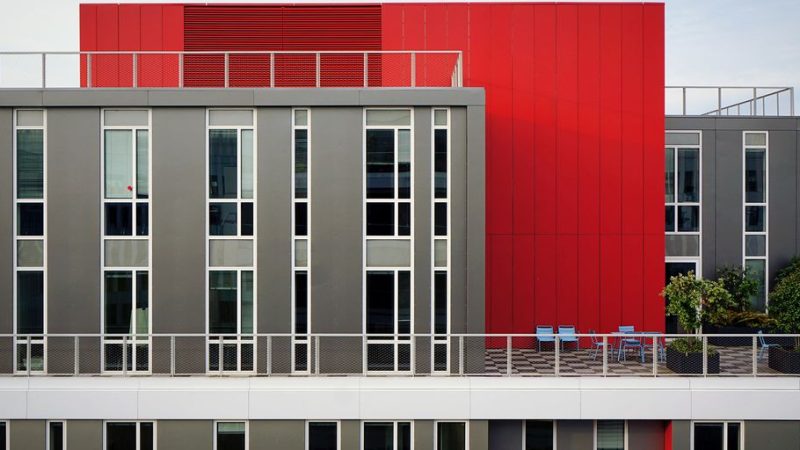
784 361
691 363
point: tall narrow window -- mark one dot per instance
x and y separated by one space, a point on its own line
322 436
756 208
232 212
126 240
610 434
388 218
130 436
451 436
387 436
231 436
539 435
441 240
56 435
301 239
30 248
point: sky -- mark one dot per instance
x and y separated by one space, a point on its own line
708 42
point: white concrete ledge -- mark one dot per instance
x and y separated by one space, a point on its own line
372 398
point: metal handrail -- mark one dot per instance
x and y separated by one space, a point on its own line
735 109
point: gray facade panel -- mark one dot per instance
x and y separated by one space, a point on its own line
336 193
350 433
708 208
275 171
645 434
28 434
185 434
772 435
728 200
277 434
478 435
85 434
783 199
422 219
423 435
475 212
178 234
73 220
6 224
506 434
461 160
681 435
575 434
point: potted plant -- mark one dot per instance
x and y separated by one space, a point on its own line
784 307
694 301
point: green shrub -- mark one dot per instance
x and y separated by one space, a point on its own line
687 346
784 300
741 284
695 301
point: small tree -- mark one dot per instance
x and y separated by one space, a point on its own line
741 284
695 300
784 300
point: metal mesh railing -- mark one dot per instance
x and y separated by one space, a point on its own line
729 101
237 69
521 355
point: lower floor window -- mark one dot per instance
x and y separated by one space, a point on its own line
610 435
231 320
323 436
56 435
129 436
451 436
539 435
388 320
231 436
387 435
717 435
126 313
3 436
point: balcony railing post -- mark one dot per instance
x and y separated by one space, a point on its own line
180 70
76 357
719 101
28 355
684 101
508 356
125 355
705 356
461 355
755 356
134 69
317 64
172 355
605 356
754 108
791 101
316 354
364 362
655 355
44 70
227 62
413 355
557 353
220 355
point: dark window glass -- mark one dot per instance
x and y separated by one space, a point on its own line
440 163
2 436
247 219
142 219
222 219
121 436
404 163
380 219
440 302
322 436
404 219
142 303
222 164
146 436
119 298
301 302
380 302
380 164
754 218
301 219
404 436
669 175
30 164
30 302
451 436
404 302
538 435
610 435
119 219
708 436
734 434
669 216
688 175
222 308
30 219
230 436
755 176
378 436
301 163
440 219
56 436
688 218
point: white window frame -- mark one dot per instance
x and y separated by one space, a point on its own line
240 339
395 434
246 432
625 433
338 431
138 432
724 432
525 432
436 432
675 203
301 339
132 339
438 340
765 204
63 427
396 340
17 201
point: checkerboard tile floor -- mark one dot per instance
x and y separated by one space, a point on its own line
734 361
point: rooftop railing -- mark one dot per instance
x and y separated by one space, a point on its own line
729 101
236 69
485 355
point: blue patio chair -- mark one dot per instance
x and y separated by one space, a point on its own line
656 339
566 335
626 344
598 344
544 334
764 346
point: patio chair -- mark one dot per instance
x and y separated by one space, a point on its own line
598 344
661 343
566 335
764 345
626 344
544 334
